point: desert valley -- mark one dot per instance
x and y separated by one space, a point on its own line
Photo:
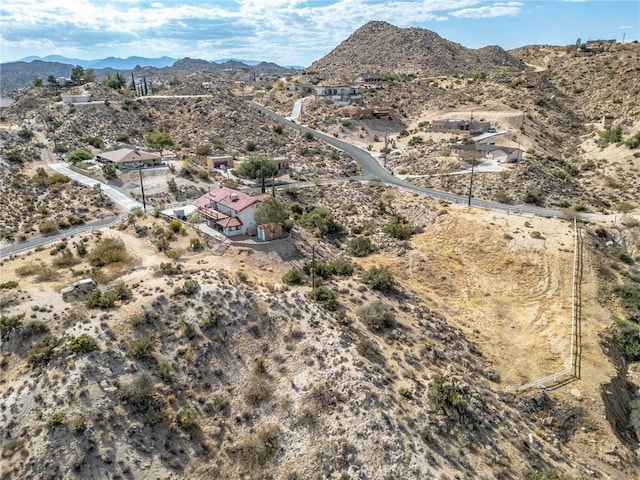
408 260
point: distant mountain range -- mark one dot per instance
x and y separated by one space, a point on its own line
24 72
130 63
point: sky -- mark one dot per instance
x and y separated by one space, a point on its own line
291 32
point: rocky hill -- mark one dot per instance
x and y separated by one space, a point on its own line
379 339
382 47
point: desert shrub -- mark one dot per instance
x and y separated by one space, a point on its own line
367 348
174 226
77 425
533 197
536 234
188 331
30 268
195 243
42 353
293 277
627 337
211 319
139 392
633 142
55 420
379 278
190 287
79 156
325 297
443 395
8 285
377 315
186 419
47 226
10 323
108 299
360 247
57 179
399 230
96 142
610 135
343 267
84 343
322 269
159 140
621 254
141 348
321 222
169 268
108 250
502 197
256 449
630 298
258 390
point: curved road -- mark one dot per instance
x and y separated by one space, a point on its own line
373 171
34 242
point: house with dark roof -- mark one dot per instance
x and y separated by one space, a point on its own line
130 158
229 211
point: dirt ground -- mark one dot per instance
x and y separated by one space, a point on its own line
510 293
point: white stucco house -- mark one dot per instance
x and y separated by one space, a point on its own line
230 211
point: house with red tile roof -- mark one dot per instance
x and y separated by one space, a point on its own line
230 211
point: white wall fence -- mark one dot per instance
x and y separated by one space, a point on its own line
571 371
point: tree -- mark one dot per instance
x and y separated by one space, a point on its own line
89 75
257 166
77 74
159 140
116 81
38 82
52 81
270 211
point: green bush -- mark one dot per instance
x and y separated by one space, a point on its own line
443 395
79 156
84 343
627 337
108 250
633 142
10 323
141 348
379 278
8 285
159 140
360 247
293 277
325 297
42 353
377 315
630 298
399 230
320 220
190 287
108 299
186 419
621 254
343 267
139 392
55 420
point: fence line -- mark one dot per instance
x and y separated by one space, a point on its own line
570 371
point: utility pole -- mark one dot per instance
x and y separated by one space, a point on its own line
471 182
313 268
144 204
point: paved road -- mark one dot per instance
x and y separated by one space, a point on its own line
34 242
373 171
117 196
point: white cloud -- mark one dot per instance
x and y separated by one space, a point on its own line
489 11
